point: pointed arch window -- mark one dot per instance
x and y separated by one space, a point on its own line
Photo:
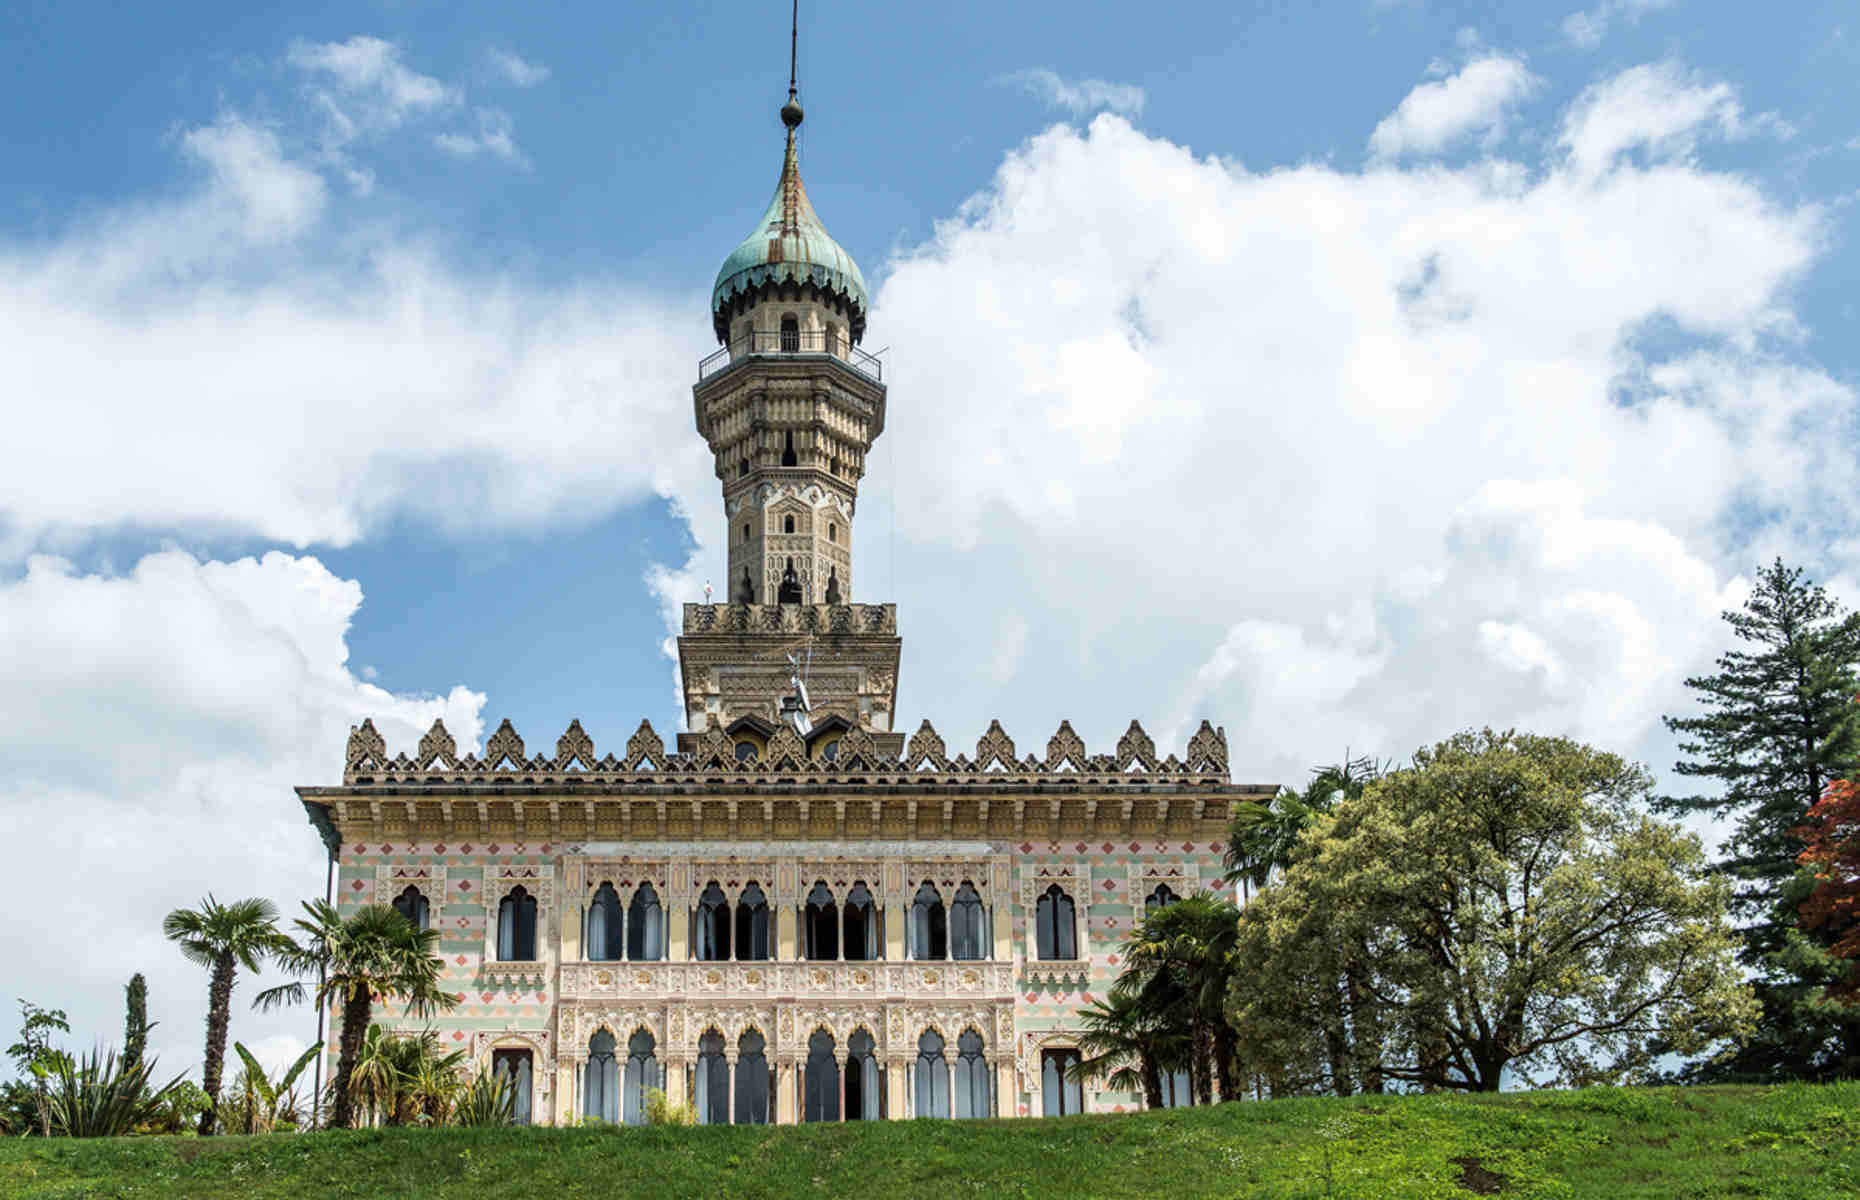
645 926
860 923
600 1083
788 457
790 590
411 904
711 1095
713 925
642 1074
512 1067
972 1097
864 1097
822 923
929 924
752 1080
752 924
932 1076
966 940
833 585
820 1089
604 940
1162 897
516 926
1055 930
1060 1093
787 524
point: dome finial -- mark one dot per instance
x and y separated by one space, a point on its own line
791 111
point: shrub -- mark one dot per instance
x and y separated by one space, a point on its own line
660 1111
100 1096
486 1100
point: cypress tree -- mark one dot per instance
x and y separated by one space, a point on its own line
1780 724
136 1021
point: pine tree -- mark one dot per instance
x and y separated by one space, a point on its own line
136 1020
1780 725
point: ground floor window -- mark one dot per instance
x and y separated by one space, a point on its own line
1175 1091
1060 1093
513 1068
820 1092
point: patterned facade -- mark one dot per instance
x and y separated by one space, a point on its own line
792 882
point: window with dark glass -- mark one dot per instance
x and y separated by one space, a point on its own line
1060 1093
967 938
645 926
713 925
752 1080
1161 897
512 1067
929 924
864 1097
932 1076
972 1082
822 921
600 1084
820 1089
1055 932
516 926
752 924
604 940
745 752
860 924
790 335
642 1075
711 1093
412 905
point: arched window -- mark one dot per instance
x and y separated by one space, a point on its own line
831 751
833 585
604 940
746 590
790 335
966 940
645 926
860 925
742 471
833 531
600 1085
932 1076
820 1090
642 1073
752 924
516 926
1162 897
788 458
929 924
787 524
413 906
513 1068
713 925
864 1098
745 752
752 1080
711 1096
1055 934
971 1077
745 527
1060 1094
822 921
790 590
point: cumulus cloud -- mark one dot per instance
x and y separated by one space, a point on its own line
1475 100
1080 97
513 69
495 137
154 723
1660 109
1586 28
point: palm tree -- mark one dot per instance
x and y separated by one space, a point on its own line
223 938
1264 837
1128 1045
374 952
1182 954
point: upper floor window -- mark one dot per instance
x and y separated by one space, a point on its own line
745 752
412 905
822 923
861 924
713 925
787 524
645 920
1162 897
790 335
516 926
752 924
1055 931
966 936
929 924
605 942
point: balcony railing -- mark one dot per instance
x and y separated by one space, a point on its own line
690 980
767 342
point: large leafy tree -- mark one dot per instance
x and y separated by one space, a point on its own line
223 938
372 953
1180 958
1779 725
1511 909
1832 907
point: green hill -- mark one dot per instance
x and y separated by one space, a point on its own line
1781 1142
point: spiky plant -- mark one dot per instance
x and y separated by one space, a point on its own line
260 1104
101 1095
223 938
487 1100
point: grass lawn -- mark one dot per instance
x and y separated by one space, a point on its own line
1781 1142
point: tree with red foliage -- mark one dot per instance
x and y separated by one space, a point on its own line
1832 831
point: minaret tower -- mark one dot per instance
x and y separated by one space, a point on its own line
790 405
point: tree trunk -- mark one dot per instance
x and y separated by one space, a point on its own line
1202 1052
1152 1081
1225 1072
219 1015
1366 1029
355 1018
1336 1043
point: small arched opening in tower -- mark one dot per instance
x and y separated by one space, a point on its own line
746 591
790 592
788 458
790 335
833 585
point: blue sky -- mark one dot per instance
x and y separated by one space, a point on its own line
1346 373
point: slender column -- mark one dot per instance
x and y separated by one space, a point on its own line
1007 1095
729 1085
784 1093
894 936
895 1087
843 1089
677 941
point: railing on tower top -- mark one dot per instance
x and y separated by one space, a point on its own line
791 341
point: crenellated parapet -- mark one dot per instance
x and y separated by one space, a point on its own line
858 762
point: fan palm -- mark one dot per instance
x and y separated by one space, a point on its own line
1264 837
223 938
1128 1045
373 952
1183 953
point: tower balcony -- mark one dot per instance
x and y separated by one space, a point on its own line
792 343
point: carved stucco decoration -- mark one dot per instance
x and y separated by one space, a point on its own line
430 878
1183 878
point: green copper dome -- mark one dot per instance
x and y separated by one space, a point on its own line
789 244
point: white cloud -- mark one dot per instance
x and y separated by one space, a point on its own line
1658 108
513 69
370 80
1080 97
1586 29
154 724
495 137
273 199
1473 101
